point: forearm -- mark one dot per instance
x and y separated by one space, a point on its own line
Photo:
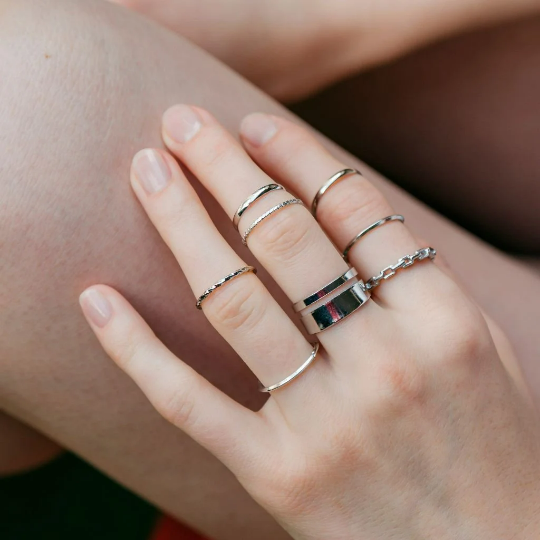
378 33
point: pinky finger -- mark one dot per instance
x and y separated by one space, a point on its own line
179 393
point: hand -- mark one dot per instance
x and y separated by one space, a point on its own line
293 48
405 426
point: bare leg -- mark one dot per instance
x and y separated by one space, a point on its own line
83 88
458 124
22 447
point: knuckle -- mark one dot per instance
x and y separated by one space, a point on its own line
295 490
126 346
398 386
178 407
295 145
217 150
460 337
285 235
356 201
170 221
237 305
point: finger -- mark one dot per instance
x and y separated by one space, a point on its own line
178 393
292 156
242 310
290 243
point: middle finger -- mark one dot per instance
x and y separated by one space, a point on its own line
290 243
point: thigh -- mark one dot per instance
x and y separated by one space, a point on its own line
95 82
457 124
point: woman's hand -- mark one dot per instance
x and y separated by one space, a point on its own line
293 48
405 426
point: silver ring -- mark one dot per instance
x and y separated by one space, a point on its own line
404 262
265 190
222 282
341 175
372 227
293 376
267 214
326 290
337 309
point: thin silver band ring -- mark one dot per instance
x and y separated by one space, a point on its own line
221 282
259 194
341 175
337 309
326 290
267 214
294 375
372 227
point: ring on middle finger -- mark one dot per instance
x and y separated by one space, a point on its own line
257 195
267 214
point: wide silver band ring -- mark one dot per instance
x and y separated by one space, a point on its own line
341 175
337 309
404 262
221 282
326 290
259 194
266 215
372 227
294 375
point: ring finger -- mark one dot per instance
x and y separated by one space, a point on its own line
292 156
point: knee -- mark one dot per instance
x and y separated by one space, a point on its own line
84 87
68 129
71 118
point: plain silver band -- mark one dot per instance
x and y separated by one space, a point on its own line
326 290
222 282
341 175
337 309
267 214
265 190
372 227
293 376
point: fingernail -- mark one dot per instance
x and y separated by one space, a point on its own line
258 128
181 123
96 308
151 170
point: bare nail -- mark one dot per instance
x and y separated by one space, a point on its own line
258 128
151 170
96 308
181 123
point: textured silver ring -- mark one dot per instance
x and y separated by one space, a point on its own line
259 194
326 290
336 309
221 282
267 214
372 227
294 375
341 175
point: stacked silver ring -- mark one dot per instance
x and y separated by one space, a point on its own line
339 306
339 298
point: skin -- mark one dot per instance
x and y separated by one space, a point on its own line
473 102
55 377
391 435
346 37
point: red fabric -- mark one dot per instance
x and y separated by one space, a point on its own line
169 529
